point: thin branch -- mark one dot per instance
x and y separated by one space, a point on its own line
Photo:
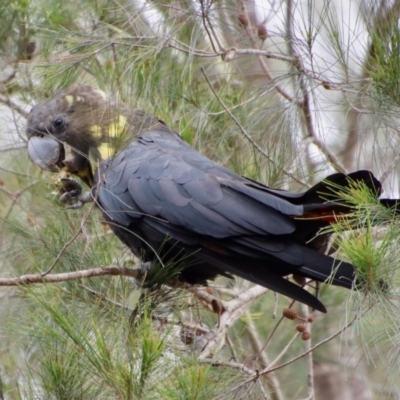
248 137
13 172
304 105
70 241
245 297
81 227
231 347
264 53
15 196
196 53
282 353
203 295
265 66
255 342
269 369
31 279
237 387
233 310
390 169
272 333
13 148
194 327
229 54
311 134
309 358
207 17
340 331
263 390
13 106
229 364
204 17
247 101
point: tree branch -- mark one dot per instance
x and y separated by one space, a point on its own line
248 137
71 276
232 311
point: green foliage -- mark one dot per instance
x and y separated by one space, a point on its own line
384 65
194 381
123 363
92 352
369 248
101 338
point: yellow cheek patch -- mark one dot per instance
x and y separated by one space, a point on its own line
118 128
96 131
70 100
106 151
97 155
109 139
115 130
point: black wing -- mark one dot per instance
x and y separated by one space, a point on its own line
160 175
166 188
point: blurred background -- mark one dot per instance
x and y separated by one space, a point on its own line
282 91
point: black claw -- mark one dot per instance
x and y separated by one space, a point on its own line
76 205
72 194
71 185
69 196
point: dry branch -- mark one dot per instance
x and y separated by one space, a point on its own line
31 279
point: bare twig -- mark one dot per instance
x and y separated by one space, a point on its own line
211 26
81 227
13 172
204 14
233 310
263 391
70 241
333 160
264 65
197 53
13 148
15 196
201 294
255 342
304 105
70 276
229 364
306 111
229 54
231 347
390 169
13 106
248 137
309 358
245 297
237 387
105 299
322 342
282 353
275 305
328 339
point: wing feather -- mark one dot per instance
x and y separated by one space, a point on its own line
168 179
160 187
